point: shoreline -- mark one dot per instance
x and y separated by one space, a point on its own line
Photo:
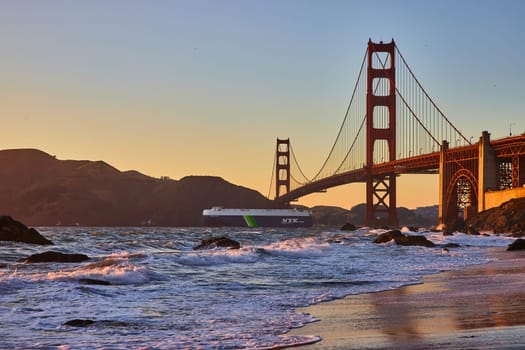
480 306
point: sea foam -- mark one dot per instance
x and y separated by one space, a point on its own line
115 269
298 247
218 257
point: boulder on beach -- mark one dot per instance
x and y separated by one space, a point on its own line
348 227
15 231
518 244
51 256
401 239
218 242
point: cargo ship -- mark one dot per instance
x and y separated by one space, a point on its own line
218 216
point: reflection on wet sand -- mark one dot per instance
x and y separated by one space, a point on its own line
445 305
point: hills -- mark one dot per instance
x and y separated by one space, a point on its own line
41 190
335 216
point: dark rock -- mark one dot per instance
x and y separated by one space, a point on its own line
472 231
388 236
216 242
448 231
94 281
518 244
348 227
451 245
401 239
12 230
457 226
79 323
55 257
414 240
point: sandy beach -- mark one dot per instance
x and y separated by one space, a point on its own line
480 307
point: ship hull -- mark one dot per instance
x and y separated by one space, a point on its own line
257 219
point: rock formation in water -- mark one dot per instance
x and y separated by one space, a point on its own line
217 242
82 322
51 256
77 322
459 226
401 239
348 227
93 281
12 230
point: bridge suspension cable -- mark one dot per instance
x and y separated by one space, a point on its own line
272 177
349 132
441 114
421 125
294 165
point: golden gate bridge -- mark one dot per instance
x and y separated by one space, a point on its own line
392 127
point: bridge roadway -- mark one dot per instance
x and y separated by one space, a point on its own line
421 164
509 146
427 164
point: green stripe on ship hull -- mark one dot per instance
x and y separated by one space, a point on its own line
250 221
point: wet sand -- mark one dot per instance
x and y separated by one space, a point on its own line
480 307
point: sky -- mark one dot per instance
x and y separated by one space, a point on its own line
178 88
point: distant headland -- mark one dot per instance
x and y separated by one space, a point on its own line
41 190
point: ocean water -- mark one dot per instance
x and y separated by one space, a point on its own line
165 295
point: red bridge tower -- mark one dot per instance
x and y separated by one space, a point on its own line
381 126
282 166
